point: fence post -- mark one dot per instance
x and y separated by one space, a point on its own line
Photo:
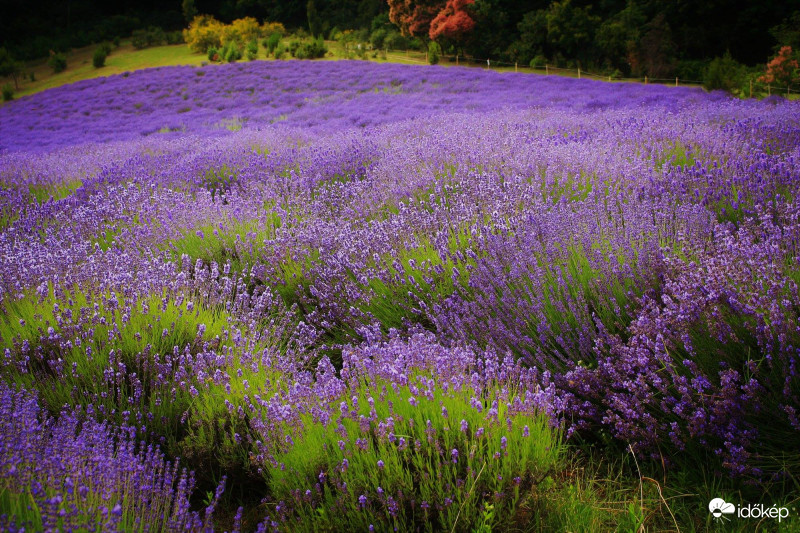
676 81
609 78
515 66
579 73
456 59
645 80
546 69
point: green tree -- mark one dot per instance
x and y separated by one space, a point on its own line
619 35
189 10
10 67
570 30
314 22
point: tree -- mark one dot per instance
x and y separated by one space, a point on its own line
654 55
314 22
454 22
620 34
782 69
414 17
189 10
10 67
570 29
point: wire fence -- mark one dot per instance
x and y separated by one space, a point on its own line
754 87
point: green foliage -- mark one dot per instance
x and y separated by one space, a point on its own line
272 42
151 36
231 52
395 41
458 474
58 62
723 73
213 54
378 38
252 50
99 57
280 52
309 50
8 92
434 52
174 37
154 326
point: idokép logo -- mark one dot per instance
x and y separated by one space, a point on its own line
721 510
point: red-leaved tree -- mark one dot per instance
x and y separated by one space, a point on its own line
453 22
782 69
414 17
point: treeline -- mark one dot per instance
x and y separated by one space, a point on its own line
623 37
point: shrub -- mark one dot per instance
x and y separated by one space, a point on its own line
280 52
175 37
139 39
723 73
272 42
268 28
538 61
155 36
241 30
8 92
434 52
213 54
252 50
204 32
378 38
310 50
105 47
99 57
231 52
58 62
117 41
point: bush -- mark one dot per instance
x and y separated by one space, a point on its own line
395 41
252 50
117 41
139 39
203 33
8 92
155 36
105 47
231 52
434 52
310 50
280 52
175 37
99 57
378 38
58 62
272 42
723 73
213 54
538 61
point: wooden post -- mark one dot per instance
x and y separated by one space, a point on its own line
546 69
645 80
579 73
676 81
769 90
609 78
426 57
515 66
456 59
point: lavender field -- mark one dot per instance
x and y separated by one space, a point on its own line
317 296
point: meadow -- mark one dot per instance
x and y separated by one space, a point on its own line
325 296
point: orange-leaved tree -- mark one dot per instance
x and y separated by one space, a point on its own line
453 22
414 17
783 69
